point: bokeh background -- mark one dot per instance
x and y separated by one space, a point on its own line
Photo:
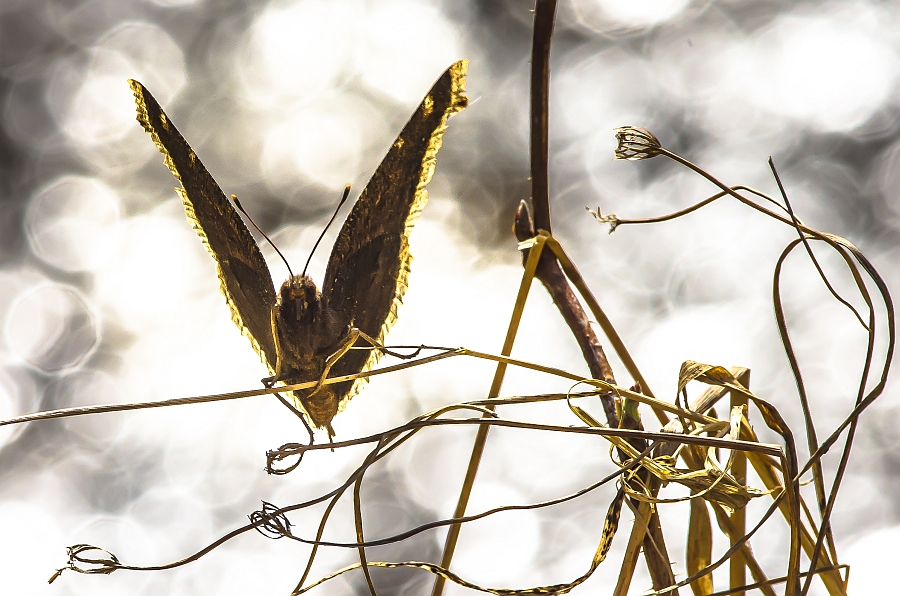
106 295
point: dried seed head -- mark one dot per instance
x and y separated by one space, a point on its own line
85 558
270 523
610 219
636 143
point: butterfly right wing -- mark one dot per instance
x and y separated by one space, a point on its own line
244 277
369 265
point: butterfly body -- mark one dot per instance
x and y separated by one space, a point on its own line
301 332
308 332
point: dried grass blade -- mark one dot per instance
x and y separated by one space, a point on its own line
738 564
360 538
481 437
633 550
725 524
699 547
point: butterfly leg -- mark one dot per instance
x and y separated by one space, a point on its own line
384 350
352 336
270 381
349 342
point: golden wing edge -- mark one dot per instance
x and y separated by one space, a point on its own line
458 102
143 117
236 317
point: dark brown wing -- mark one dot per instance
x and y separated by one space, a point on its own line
244 277
369 264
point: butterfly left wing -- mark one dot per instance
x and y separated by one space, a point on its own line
369 264
244 277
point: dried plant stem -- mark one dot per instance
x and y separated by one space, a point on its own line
738 518
734 535
635 144
554 280
654 546
727 190
183 401
618 345
615 222
632 550
544 17
655 552
624 433
481 437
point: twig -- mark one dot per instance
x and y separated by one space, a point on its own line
551 275
544 17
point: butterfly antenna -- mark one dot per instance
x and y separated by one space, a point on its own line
330 221
240 207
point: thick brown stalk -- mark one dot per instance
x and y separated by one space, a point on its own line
655 552
553 278
548 270
544 17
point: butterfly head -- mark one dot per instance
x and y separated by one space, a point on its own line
299 298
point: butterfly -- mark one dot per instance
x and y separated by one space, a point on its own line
299 332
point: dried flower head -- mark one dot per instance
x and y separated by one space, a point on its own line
610 219
85 558
636 143
271 523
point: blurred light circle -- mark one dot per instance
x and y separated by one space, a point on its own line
402 47
25 117
295 50
829 72
72 223
101 109
602 91
12 283
88 387
614 17
51 327
90 100
324 144
888 180
18 396
89 94
159 264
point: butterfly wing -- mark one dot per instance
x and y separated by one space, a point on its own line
244 277
369 264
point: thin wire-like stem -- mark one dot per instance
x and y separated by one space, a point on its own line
379 451
615 221
183 401
358 523
809 250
